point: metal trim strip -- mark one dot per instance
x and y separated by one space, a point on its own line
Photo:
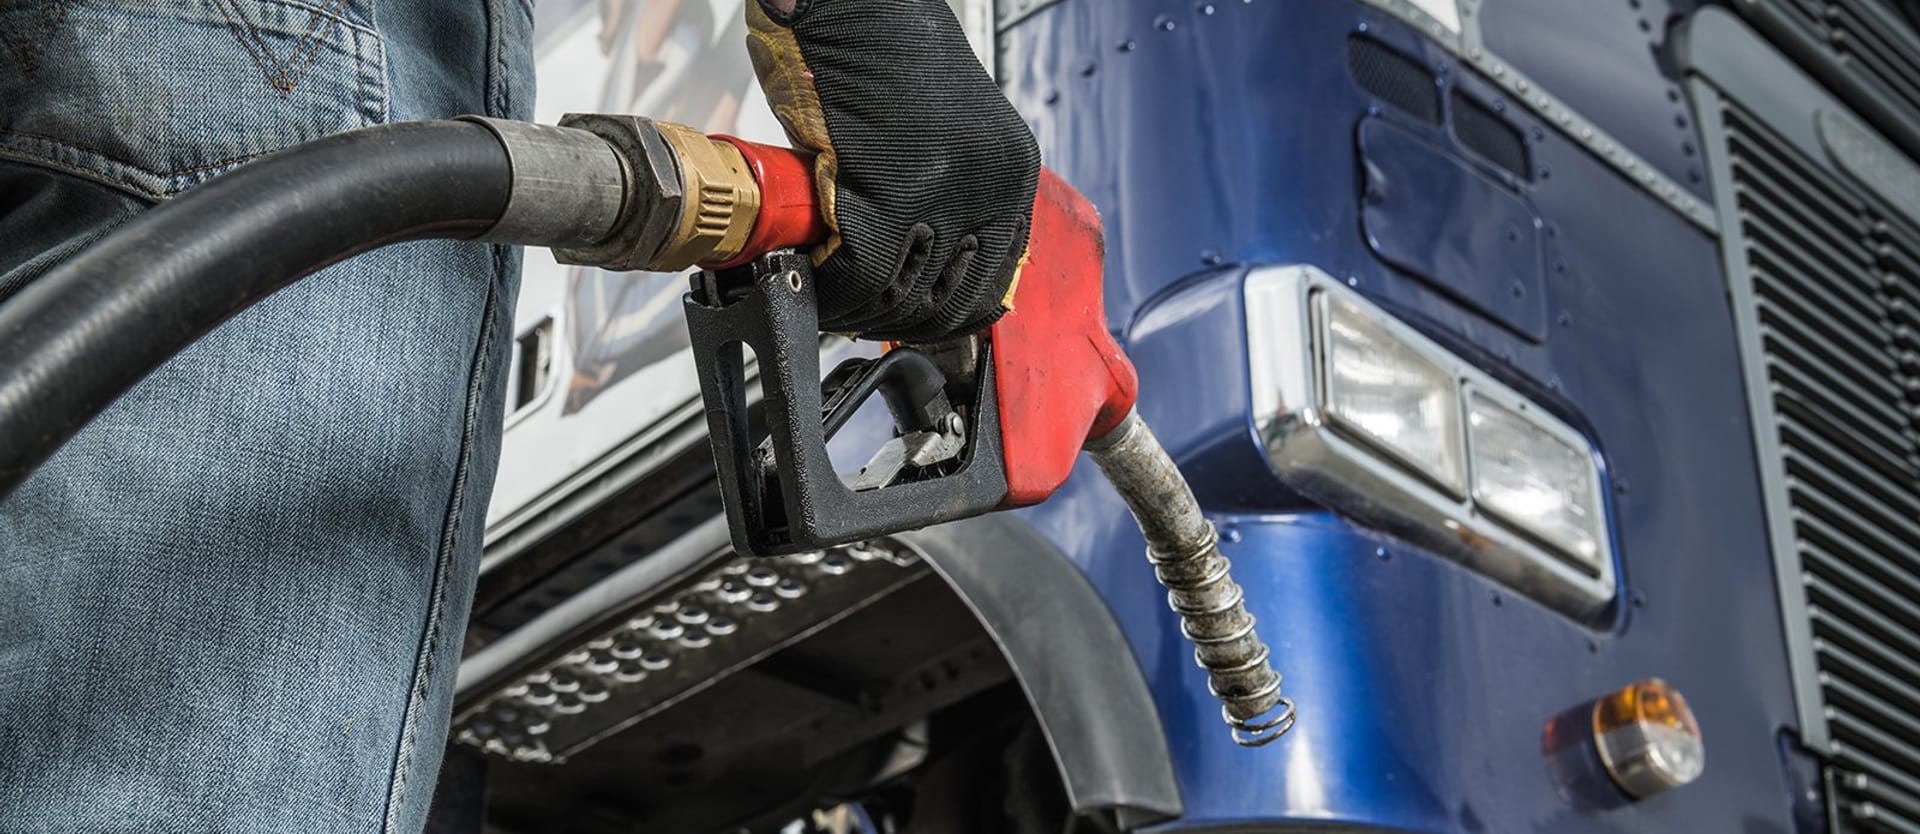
1802 667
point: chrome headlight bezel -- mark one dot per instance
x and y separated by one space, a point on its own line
1326 460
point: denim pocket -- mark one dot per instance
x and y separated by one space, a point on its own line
154 96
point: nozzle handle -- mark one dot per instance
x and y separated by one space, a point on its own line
1063 379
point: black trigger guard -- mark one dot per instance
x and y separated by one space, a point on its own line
800 503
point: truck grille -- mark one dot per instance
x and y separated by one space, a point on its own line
1835 274
1868 51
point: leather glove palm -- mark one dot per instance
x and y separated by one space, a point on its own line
925 173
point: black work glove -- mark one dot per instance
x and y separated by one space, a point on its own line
925 172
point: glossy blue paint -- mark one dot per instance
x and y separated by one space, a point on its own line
1219 133
1431 214
1612 61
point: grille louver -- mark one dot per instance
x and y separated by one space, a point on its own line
1868 51
1836 289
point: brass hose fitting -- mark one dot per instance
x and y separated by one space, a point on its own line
721 201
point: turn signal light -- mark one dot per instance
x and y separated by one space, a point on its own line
1648 739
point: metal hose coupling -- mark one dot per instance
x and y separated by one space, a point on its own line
1185 551
625 193
690 198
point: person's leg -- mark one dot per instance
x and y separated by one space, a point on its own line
234 602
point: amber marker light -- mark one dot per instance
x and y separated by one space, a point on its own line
1647 738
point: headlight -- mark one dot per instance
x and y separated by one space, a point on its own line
1362 413
1534 477
1392 396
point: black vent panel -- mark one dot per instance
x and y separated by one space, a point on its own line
1835 274
1868 51
1394 78
1484 132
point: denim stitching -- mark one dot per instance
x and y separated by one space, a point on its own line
478 372
242 36
344 17
497 72
30 53
105 168
263 55
370 79
312 47
304 66
476 388
118 161
360 87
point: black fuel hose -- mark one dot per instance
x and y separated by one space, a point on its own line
79 336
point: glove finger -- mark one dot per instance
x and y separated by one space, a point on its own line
789 85
954 298
885 304
982 284
785 12
970 293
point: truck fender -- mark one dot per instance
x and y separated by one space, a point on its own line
1071 659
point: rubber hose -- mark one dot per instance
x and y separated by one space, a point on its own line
76 338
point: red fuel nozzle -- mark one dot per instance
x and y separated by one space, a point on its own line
1062 379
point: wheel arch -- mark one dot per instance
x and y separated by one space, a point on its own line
1071 659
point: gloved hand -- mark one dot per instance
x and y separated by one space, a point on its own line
925 172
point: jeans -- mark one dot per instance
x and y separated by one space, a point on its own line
235 601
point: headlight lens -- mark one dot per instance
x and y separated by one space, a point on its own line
1534 479
1380 388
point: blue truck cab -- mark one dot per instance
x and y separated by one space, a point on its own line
1520 350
